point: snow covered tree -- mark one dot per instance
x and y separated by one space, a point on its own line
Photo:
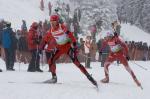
135 12
99 12
145 15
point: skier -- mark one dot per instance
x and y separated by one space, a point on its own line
118 50
65 43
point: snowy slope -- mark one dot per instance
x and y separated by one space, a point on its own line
129 33
133 33
29 10
72 84
16 10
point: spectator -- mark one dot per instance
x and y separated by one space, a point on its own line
33 45
9 44
87 46
24 26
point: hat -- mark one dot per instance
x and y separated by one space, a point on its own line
54 18
8 24
34 25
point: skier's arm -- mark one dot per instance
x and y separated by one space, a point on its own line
71 36
44 41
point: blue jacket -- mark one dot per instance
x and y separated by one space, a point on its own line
7 38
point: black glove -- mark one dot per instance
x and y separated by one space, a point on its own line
40 37
67 32
115 34
37 41
74 44
75 48
128 58
100 52
40 51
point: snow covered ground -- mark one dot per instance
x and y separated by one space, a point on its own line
29 10
72 84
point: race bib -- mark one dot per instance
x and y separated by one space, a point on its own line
116 48
62 39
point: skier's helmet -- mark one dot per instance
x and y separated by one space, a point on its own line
54 17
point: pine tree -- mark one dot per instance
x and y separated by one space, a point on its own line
97 12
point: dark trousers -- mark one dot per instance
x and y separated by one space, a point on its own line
103 58
9 58
88 60
35 61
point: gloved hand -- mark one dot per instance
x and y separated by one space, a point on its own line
127 57
40 51
40 37
115 34
100 52
75 48
37 41
74 44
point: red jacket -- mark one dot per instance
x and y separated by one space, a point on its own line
116 45
50 39
32 36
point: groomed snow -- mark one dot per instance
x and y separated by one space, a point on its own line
72 84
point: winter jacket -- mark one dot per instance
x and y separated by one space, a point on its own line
87 46
7 35
31 39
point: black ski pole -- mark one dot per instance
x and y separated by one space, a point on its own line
140 66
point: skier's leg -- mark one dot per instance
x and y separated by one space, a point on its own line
74 58
52 67
127 67
107 63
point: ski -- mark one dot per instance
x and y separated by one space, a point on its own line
47 83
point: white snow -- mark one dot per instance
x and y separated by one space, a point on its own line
72 84
29 10
129 33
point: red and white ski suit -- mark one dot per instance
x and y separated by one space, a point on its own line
61 40
118 51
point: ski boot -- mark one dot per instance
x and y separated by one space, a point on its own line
105 80
39 70
53 80
90 78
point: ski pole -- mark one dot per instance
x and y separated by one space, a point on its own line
140 66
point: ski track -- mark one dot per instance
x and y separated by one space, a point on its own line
73 84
